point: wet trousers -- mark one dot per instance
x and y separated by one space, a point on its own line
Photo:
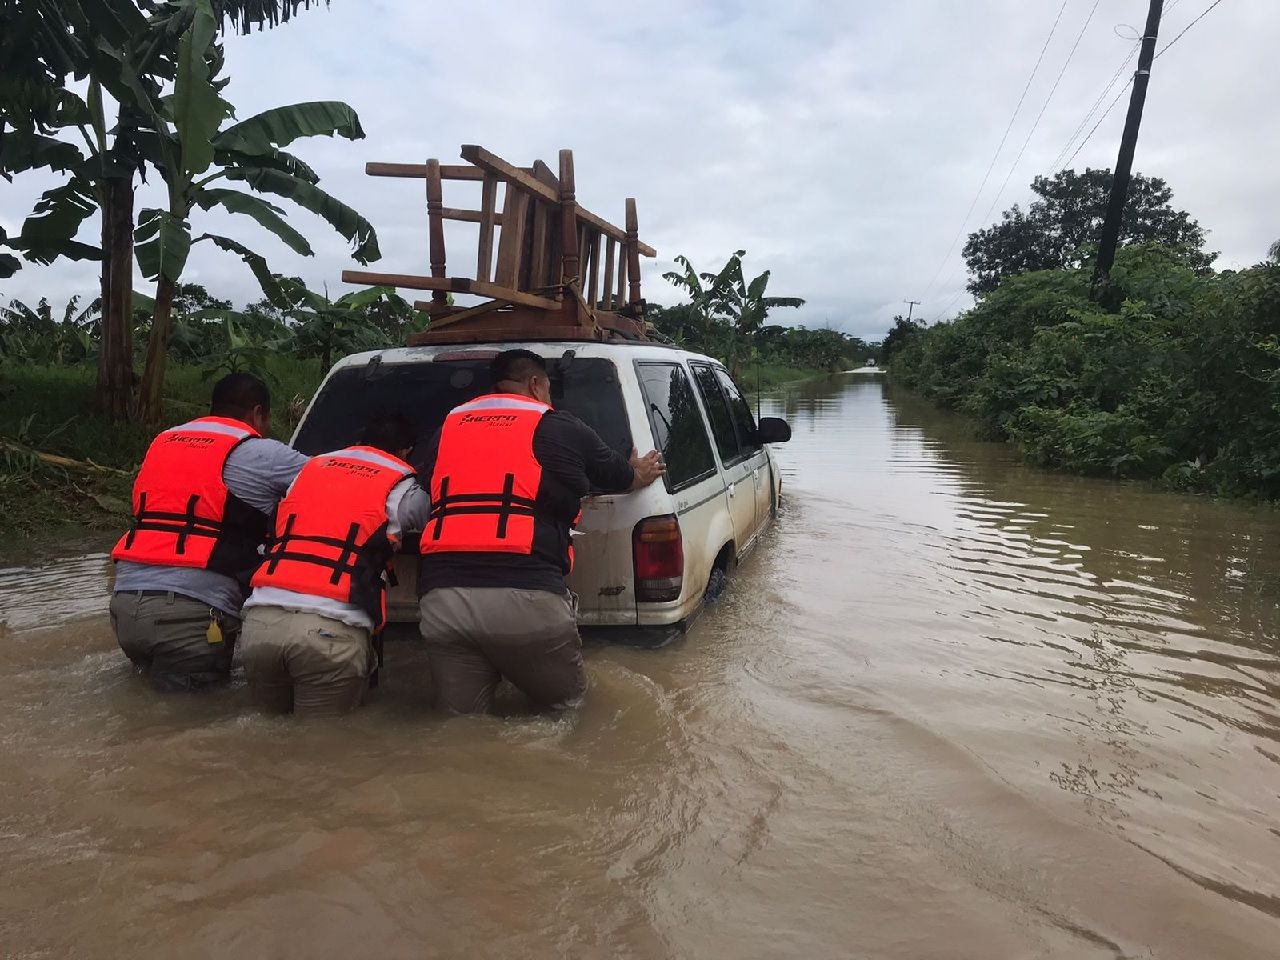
475 636
304 663
166 635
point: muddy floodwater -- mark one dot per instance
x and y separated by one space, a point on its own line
954 707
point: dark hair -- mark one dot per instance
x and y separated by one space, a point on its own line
236 394
391 433
516 365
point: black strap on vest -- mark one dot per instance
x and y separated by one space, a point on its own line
347 561
504 506
185 525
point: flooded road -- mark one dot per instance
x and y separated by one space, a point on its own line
955 708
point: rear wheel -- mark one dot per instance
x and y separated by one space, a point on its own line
719 579
715 585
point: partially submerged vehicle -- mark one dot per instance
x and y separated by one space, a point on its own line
645 560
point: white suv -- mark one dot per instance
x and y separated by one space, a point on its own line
642 560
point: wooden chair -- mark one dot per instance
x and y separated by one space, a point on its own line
560 271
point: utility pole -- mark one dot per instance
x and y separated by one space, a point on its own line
1124 162
911 305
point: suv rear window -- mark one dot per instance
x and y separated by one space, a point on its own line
677 425
425 393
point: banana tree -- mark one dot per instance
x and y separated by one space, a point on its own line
745 306
126 49
699 287
33 334
193 151
323 327
728 296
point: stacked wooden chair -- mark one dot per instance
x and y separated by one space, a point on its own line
555 271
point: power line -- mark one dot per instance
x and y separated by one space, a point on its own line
996 156
950 303
1105 113
1030 133
1040 116
1059 162
1084 122
1123 89
1206 12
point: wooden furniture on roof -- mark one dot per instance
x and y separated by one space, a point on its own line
556 272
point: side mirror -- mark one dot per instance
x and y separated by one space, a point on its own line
773 430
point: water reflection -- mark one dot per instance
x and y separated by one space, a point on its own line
1140 627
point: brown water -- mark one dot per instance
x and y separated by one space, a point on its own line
954 708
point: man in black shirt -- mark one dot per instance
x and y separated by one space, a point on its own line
508 474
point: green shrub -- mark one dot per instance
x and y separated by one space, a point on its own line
1174 377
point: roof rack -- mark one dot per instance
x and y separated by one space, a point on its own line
560 271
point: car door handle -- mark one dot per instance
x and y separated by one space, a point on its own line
731 486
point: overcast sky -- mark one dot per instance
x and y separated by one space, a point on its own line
840 144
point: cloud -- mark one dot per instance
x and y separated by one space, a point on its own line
839 144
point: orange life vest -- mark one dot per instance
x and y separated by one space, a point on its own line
183 513
484 489
331 535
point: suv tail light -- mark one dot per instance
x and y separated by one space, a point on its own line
658 550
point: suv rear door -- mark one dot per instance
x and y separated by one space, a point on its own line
749 446
737 463
424 391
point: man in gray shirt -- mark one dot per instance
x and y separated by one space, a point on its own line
202 507
318 605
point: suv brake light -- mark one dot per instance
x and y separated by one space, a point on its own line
454 356
658 552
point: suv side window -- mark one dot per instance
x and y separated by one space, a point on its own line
741 410
717 412
677 425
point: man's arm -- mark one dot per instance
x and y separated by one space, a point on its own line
412 506
259 472
574 453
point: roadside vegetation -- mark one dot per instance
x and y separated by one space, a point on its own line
62 460
65 464
1171 375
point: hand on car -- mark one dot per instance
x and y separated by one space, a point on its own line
647 468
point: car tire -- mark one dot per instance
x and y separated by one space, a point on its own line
716 584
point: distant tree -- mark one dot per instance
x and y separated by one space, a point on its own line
1059 229
190 297
902 333
322 327
683 324
1273 252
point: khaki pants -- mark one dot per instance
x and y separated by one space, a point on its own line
475 636
166 635
304 663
